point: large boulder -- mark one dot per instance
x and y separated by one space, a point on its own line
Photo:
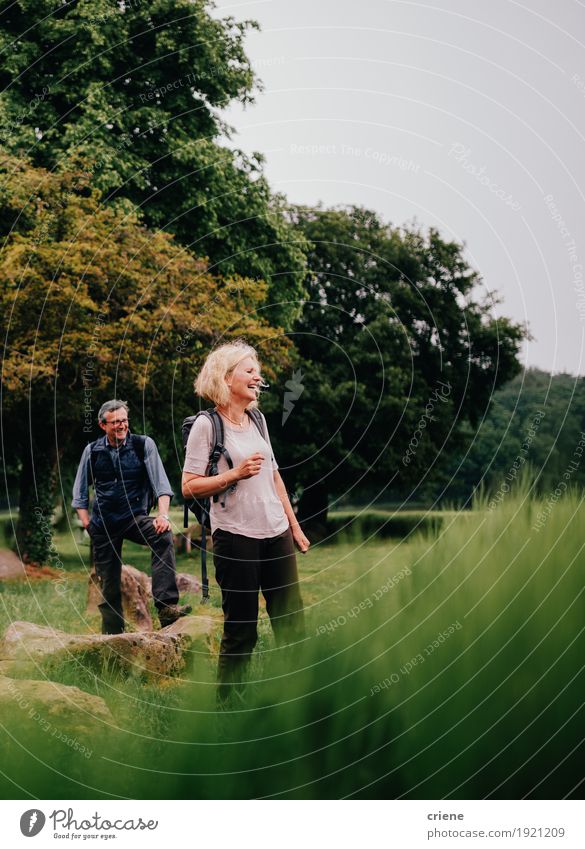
189 540
64 713
188 583
200 634
11 566
32 649
136 594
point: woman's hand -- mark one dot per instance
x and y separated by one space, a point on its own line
249 467
300 539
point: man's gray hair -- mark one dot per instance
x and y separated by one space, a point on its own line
109 407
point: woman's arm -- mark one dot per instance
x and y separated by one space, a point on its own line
298 535
202 486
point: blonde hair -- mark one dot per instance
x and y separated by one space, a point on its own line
210 382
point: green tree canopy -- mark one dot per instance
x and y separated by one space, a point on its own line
96 306
536 422
396 353
132 90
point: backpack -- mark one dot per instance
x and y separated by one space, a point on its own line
200 507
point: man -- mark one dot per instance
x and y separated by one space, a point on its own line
125 470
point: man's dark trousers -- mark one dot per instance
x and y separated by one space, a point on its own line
107 553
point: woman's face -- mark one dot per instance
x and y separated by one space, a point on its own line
244 380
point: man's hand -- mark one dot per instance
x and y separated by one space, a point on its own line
300 539
84 517
161 523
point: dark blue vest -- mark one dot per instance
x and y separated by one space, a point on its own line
122 487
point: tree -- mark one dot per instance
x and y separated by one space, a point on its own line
396 355
94 306
131 90
535 423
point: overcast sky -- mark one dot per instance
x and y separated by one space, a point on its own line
464 115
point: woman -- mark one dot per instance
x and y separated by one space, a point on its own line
254 528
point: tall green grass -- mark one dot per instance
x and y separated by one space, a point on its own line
450 666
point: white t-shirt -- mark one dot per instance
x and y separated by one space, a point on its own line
254 509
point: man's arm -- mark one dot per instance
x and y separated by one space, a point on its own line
83 516
81 489
160 484
161 521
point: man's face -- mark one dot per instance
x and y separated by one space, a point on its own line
116 425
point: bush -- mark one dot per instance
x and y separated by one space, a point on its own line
354 526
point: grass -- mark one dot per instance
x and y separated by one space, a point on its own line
45 603
449 665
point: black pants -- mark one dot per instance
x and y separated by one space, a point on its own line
107 552
243 567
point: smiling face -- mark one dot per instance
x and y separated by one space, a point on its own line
115 425
244 381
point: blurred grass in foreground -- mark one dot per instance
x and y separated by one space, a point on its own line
450 666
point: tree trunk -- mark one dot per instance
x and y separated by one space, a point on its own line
36 500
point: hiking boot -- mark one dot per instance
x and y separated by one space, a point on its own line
168 615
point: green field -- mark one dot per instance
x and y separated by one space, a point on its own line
445 665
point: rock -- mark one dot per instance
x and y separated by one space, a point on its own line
93 594
190 538
199 634
188 583
140 577
62 712
150 655
10 565
136 594
12 568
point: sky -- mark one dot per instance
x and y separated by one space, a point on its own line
461 115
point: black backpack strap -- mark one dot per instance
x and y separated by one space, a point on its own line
258 420
185 431
260 423
217 443
204 576
217 451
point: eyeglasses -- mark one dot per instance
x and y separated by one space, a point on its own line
117 422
